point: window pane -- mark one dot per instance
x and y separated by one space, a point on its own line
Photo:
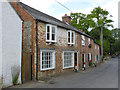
53 30
47 60
53 36
48 36
68 59
72 37
48 29
69 37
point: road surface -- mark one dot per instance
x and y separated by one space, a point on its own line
103 76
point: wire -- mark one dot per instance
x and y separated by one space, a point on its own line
63 5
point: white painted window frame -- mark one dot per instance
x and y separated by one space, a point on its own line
90 56
88 41
84 60
98 47
95 46
71 37
50 40
53 62
72 59
83 40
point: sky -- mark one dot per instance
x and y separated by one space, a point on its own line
52 8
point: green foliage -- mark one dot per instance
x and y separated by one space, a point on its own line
106 47
90 64
15 79
80 21
96 20
15 70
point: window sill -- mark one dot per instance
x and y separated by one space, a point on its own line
83 45
47 69
68 67
71 44
51 42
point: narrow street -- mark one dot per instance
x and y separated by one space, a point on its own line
103 76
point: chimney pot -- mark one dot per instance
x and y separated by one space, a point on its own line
66 19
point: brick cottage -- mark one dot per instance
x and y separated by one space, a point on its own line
51 46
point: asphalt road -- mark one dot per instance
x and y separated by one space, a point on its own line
103 76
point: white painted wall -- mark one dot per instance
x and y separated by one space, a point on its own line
11 43
0 43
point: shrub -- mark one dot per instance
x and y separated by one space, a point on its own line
15 70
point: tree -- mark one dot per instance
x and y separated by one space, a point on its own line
101 22
80 21
98 22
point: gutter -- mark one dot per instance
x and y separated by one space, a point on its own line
36 49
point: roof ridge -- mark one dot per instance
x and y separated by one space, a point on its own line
40 11
38 15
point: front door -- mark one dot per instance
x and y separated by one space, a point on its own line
83 60
76 60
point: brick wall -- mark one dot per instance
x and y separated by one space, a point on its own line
29 45
59 47
28 38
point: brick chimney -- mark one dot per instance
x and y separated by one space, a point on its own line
66 19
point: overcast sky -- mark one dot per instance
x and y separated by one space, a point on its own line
51 7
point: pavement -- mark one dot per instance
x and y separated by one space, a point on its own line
104 75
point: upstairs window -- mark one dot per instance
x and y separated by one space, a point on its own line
51 33
83 40
88 41
98 47
95 46
71 37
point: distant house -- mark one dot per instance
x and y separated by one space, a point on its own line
49 46
10 44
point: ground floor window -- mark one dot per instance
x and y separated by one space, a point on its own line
47 59
68 59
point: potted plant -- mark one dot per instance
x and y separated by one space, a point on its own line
90 45
90 63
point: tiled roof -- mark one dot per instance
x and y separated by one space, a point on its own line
49 19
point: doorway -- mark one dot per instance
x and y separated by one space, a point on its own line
83 60
76 60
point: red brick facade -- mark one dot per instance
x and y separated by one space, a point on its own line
29 46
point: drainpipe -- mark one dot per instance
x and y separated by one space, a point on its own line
36 49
